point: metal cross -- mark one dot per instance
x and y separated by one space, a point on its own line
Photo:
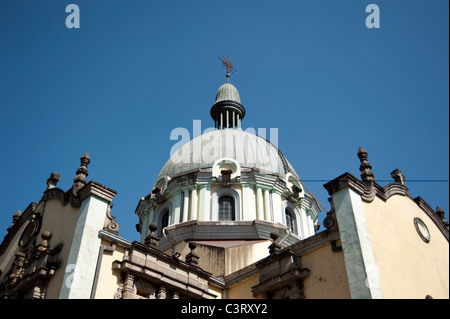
227 64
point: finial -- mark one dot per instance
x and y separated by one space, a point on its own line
192 258
152 240
82 173
398 177
440 212
53 180
227 65
365 167
274 247
15 218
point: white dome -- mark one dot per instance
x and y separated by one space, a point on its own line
249 150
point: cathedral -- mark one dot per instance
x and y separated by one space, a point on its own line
228 217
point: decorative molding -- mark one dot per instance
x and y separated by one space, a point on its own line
30 272
368 194
170 275
281 276
441 223
97 189
19 222
383 193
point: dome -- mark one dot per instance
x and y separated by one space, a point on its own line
249 150
228 92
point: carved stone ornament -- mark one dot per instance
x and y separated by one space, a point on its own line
30 230
110 222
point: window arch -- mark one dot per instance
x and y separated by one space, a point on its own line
163 216
165 219
292 218
226 205
226 208
291 222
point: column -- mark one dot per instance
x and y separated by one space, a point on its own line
185 205
267 210
204 208
259 204
176 204
234 120
221 121
144 226
248 202
303 223
277 207
228 120
193 212
128 287
310 225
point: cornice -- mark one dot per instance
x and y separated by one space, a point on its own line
368 190
96 189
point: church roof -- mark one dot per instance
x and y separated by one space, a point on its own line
249 150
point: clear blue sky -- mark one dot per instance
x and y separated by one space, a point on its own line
135 70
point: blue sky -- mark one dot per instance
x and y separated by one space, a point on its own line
135 70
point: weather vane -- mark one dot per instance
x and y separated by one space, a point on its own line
227 65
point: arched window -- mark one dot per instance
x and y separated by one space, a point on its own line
226 208
290 220
165 219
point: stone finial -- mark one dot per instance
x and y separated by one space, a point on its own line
17 215
440 212
152 240
192 258
53 180
398 177
274 247
15 218
365 167
82 173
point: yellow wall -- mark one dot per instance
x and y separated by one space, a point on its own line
60 221
328 278
408 267
108 279
243 290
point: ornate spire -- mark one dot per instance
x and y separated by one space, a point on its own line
227 111
365 167
82 173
